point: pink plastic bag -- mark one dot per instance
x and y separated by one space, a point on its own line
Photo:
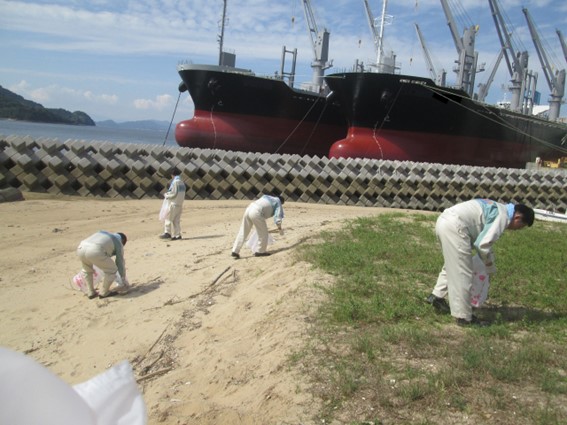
80 283
480 283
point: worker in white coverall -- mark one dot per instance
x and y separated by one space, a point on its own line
174 197
98 250
256 215
472 224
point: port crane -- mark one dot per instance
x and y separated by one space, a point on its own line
466 68
523 82
320 45
555 81
439 77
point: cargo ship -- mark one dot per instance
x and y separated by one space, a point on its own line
407 118
374 112
239 111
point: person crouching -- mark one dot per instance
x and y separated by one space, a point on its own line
98 250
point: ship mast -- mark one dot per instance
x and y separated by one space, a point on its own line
385 64
221 35
381 35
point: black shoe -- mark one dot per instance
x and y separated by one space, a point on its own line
475 321
439 304
165 236
235 255
109 294
176 238
261 254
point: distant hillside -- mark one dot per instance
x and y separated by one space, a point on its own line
16 107
139 125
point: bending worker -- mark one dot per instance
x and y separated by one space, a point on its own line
98 250
175 196
256 215
472 224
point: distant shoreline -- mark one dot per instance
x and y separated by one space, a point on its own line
47 122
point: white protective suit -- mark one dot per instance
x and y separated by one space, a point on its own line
175 196
473 224
256 215
98 249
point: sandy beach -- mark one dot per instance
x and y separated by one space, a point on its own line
208 336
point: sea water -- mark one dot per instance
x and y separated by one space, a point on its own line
65 132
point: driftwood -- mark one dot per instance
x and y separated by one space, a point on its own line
152 347
219 276
171 301
156 373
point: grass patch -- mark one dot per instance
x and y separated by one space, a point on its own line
380 354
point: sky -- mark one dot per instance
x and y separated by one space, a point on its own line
117 59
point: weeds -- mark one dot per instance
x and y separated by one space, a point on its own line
378 341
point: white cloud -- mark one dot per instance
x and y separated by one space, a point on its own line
110 99
159 104
55 95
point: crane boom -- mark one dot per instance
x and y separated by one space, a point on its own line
467 64
452 26
439 78
373 30
563 45
539 48
517 62
483 88
320 45
555 82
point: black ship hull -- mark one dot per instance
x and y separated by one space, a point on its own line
400 117
236 110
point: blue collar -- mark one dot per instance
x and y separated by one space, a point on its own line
510 208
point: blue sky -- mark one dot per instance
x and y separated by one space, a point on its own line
117 59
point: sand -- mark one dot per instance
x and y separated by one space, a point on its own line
209 337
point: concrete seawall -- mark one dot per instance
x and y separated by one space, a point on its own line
135 171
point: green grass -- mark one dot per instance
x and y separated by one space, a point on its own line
380 354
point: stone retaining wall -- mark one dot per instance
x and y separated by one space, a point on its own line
116 170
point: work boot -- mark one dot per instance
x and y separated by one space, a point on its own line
439 304
475 321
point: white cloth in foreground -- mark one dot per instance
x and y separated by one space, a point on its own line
30 394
